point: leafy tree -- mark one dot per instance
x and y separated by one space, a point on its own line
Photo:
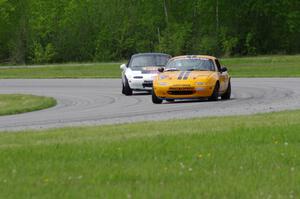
102 30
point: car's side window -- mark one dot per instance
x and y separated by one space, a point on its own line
218 65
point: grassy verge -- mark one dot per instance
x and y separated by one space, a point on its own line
268 66
15 103
229 157
99 70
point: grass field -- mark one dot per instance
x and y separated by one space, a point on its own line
15 103
268 66
97 70
228 157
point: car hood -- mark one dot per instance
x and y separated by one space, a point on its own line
185 75
146 70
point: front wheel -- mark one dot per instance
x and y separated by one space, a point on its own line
215 94
155 99
126 90
227 94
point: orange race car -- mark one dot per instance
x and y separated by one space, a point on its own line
191 77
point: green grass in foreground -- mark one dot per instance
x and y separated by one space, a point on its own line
267 66
229 157
16 103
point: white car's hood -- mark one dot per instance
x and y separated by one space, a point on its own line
141 73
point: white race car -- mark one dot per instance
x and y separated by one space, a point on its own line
138 74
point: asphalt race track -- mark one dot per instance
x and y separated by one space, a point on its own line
99 101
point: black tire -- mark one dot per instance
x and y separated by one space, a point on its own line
123 88
126 90
227 94
215 94
155 99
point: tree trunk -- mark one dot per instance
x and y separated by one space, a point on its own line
166 13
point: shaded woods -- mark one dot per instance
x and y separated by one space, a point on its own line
48 31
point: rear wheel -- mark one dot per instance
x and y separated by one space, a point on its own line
126 90
215 94
227 94
155 99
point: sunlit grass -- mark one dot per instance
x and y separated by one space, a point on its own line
97 70
265 66
261 66
224 157
15 103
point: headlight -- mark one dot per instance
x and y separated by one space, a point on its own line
163 83
200 83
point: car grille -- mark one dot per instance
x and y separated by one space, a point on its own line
181 85
181 91
148 84
181 88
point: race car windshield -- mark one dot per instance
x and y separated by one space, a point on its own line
137 63
195 64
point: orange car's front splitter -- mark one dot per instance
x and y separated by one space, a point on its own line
182 93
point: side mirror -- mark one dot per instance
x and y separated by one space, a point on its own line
161 70
224 69
123 66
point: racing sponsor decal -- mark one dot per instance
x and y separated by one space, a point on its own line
193 58
150 70
180 75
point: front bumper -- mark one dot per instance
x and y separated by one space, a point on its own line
141 84
192 92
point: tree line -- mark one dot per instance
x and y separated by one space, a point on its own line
48 31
